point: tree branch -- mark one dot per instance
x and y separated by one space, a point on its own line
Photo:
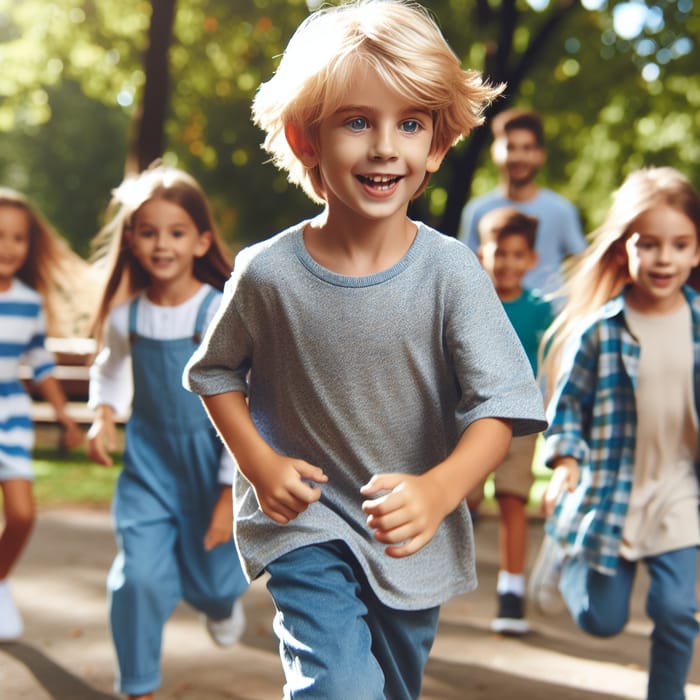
464 165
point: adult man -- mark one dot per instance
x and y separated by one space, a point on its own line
518 150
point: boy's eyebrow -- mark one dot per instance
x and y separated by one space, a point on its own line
372 108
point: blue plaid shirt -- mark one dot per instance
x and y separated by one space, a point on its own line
592 418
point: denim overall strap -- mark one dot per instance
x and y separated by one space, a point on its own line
133 313
202 314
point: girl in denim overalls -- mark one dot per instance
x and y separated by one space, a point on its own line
172 506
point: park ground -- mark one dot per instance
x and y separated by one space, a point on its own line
66 652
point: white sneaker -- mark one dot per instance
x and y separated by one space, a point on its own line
228 631
10 620
543 584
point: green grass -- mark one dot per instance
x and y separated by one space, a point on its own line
72 479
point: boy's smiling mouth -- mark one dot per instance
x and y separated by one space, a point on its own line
380 182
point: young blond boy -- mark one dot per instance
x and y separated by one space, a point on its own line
507 252
361 368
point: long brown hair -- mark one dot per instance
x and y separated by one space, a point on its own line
47 265
124 274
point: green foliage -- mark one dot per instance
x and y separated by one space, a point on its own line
68 165
614 98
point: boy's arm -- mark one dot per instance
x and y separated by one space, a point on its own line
409 515
281 483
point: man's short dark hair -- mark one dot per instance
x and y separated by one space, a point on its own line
511 119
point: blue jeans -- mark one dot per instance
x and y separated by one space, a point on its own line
337 640
599 605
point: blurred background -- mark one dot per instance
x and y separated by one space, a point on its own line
91 90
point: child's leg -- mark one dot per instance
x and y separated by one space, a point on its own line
598 603
18 504
543 585
144 587
513 480
401 642
510 587
671 604
336 639
211 581
512 534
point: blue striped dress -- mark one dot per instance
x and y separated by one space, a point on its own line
22 336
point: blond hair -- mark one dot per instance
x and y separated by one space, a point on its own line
601 272
124 274
397 40
49 261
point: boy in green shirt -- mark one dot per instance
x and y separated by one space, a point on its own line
507 251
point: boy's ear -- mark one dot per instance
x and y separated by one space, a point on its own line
203 244
435 158
300 144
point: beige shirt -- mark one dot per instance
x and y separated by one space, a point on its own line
663 506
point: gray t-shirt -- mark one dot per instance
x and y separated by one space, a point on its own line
360 376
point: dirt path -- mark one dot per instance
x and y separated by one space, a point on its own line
66 653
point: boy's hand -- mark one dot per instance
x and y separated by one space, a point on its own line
408 516
282 487
220 528
565 476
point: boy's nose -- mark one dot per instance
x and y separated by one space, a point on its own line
383 146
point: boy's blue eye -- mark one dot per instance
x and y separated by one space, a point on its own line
357 124
410 126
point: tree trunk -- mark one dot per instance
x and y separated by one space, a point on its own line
148 142
498 69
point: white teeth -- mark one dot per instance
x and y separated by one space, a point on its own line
380 182
380 179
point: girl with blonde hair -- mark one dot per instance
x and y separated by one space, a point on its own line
623 434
